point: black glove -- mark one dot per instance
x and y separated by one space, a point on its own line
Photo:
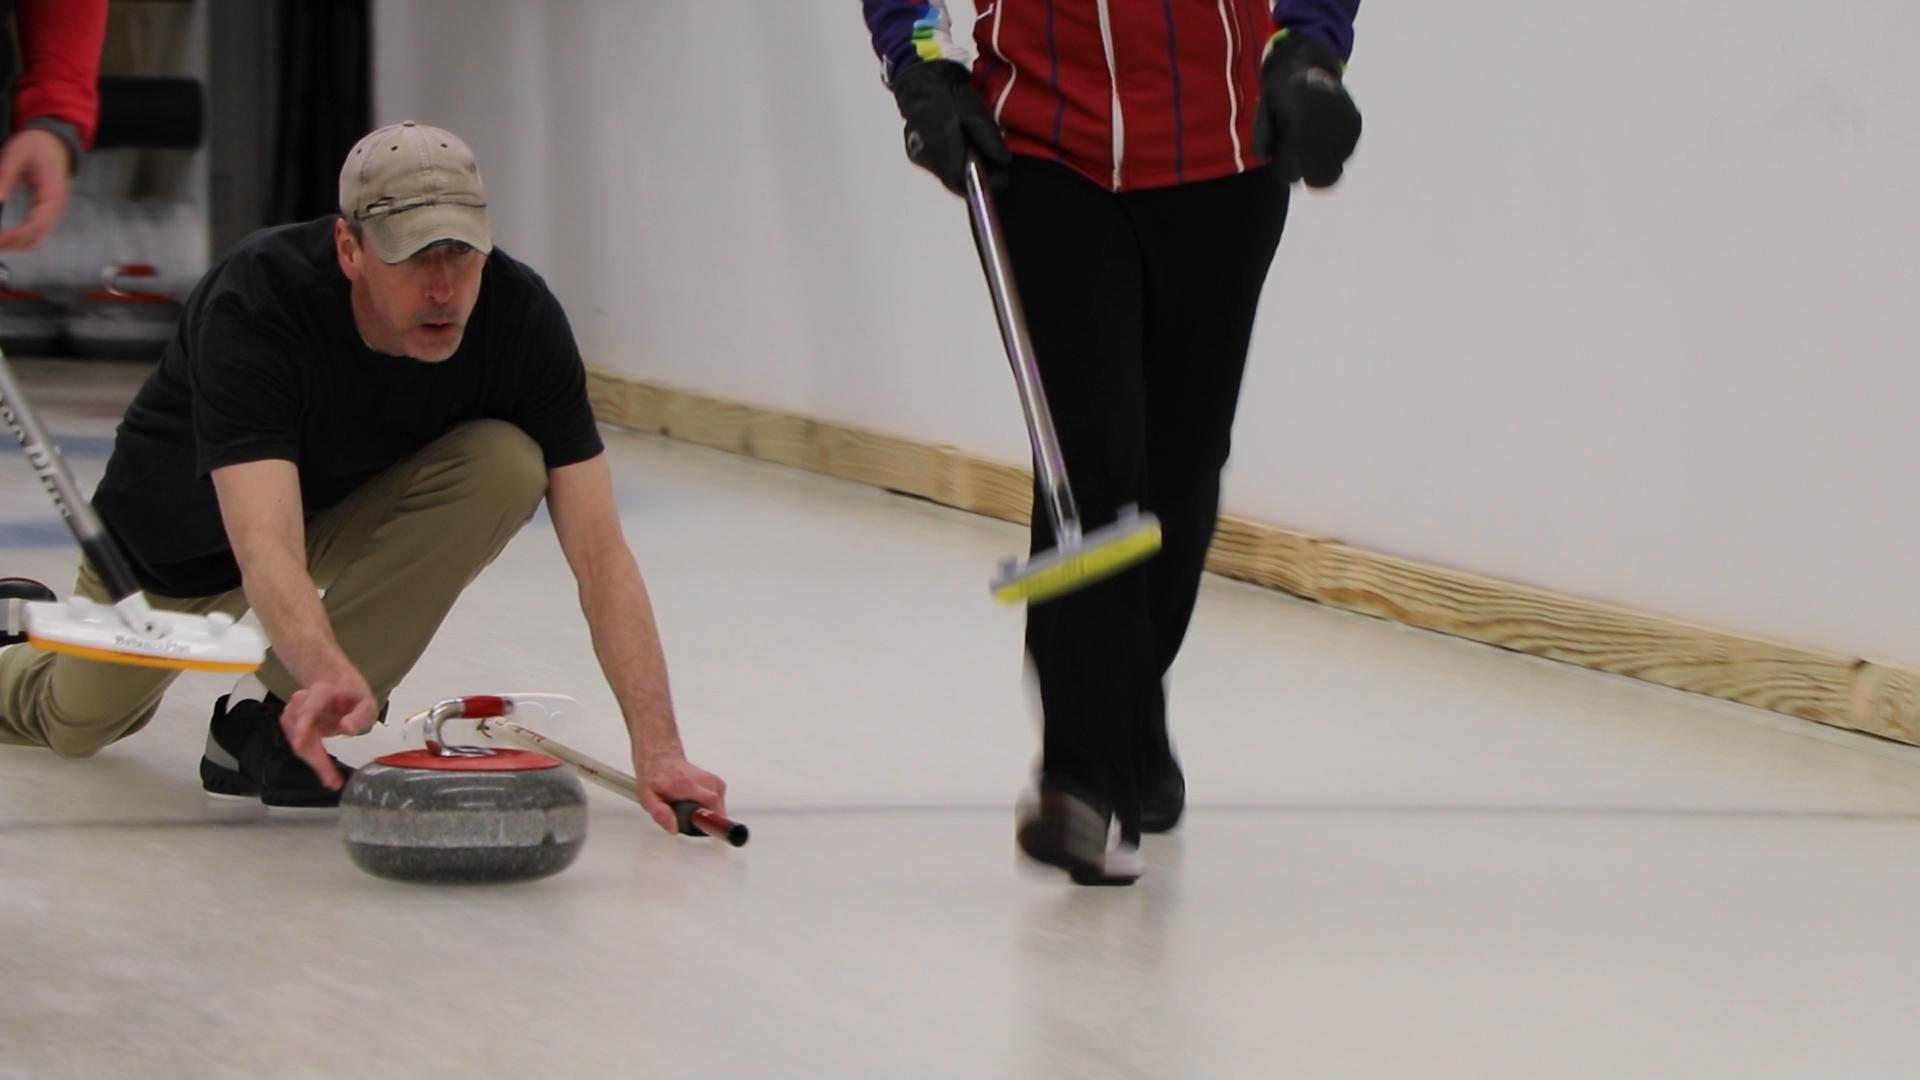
946 120
1306 123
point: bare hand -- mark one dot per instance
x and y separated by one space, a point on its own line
328 707
666 779
38 160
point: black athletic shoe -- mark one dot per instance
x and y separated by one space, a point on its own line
1163 799
247 755
1062 830
18 588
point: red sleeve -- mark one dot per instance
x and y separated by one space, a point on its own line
60 43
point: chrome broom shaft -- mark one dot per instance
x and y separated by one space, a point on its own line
1047 457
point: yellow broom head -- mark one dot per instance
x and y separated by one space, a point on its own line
1098 555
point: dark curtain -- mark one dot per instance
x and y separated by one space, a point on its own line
326 92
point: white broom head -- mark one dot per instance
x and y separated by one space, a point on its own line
81 627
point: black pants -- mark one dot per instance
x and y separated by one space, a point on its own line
1140 306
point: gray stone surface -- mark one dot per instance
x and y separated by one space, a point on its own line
447 825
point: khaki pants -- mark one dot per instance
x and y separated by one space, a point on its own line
393 557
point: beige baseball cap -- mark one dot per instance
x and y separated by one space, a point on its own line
409 185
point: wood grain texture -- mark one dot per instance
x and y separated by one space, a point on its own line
1778 676
1831 688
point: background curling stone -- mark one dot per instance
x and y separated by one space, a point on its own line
465 816
116 323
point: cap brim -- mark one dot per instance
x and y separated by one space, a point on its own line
398 237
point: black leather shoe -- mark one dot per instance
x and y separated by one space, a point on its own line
1063 831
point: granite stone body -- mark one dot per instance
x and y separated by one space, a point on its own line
452 824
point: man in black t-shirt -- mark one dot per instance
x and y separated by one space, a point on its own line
371 404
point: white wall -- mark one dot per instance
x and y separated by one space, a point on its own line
1618 299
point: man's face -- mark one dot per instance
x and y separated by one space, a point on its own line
417 308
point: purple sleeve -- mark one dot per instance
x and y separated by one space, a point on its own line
906 32
1329 22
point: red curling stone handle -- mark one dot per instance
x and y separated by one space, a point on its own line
480 706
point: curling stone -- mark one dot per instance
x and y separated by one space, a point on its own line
463 813
117 323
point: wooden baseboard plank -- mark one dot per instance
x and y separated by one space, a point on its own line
1875 697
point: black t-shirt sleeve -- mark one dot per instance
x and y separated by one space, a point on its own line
246 389
551 401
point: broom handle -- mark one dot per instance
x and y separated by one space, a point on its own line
1048 460
44 456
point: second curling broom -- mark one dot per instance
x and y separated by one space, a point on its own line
127 630
1078 558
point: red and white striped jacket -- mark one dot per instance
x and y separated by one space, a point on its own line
1130 93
